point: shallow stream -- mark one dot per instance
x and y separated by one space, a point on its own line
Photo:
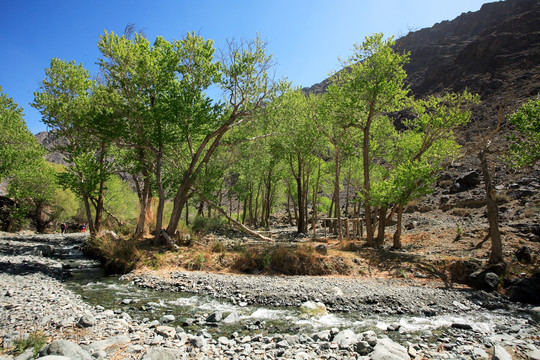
145 305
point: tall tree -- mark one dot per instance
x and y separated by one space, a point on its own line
248 90
298 139
66 104
370 86
18 147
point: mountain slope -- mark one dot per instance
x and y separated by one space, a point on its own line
494 52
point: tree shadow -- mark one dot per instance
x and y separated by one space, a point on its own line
33 267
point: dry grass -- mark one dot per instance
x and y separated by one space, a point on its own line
118 256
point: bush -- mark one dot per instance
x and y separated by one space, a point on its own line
118 256
198 262
35 340
217 246
302 260
202 225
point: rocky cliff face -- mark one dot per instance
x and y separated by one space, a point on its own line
494 52
49 140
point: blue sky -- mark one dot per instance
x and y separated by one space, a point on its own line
305 36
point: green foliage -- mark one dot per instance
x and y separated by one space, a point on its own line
204 225
35 340
525 140
459 232
120 201
18 147
34 190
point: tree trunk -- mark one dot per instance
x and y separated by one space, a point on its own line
397 234
367 184
382 225
91 228
161 196
336 195
301 223
187 213
314 201
101 196
244 210
496 254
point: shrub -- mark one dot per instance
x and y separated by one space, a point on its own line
118 256
197 262
253 258
217 246
35 340
202 225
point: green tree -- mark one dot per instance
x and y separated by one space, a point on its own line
248 91
525 140
427 144
66 102
298 139
34 189
369 87
18 147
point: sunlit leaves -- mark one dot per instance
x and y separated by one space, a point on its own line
525 141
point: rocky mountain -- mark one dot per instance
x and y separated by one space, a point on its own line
494 52
49 140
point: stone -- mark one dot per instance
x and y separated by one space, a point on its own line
26 355
523 254
479 353
87 320
313 308
387 349
362 347
535 314
231 318
160 353
412 351
461 326
469 180
109 343
167 332
345 338
321 336
215 317
198 341
526 290
167 319
484 280
534 355
321 249
499 353
66 348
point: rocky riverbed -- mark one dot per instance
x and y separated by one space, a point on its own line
35 298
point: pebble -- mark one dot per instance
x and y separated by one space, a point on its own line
51 308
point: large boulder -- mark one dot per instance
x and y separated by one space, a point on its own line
387 349
159 353
66 348
526 290
484 280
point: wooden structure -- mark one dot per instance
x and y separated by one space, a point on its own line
356 231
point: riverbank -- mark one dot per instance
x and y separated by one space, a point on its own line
34 298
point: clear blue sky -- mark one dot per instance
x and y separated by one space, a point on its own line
305 36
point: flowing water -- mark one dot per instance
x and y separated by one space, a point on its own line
145 305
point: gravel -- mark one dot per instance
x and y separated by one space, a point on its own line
34 299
